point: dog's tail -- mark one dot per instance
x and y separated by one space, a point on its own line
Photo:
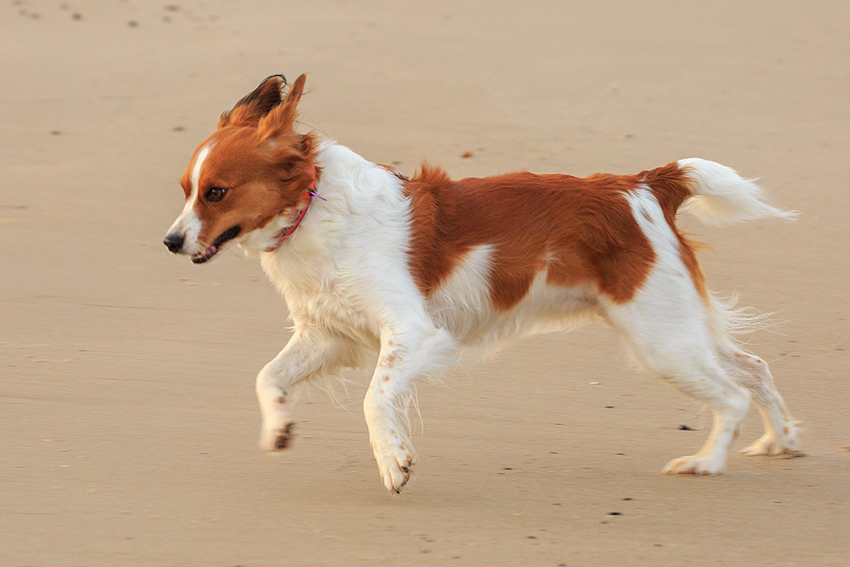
718 195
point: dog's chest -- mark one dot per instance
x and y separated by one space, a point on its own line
325 295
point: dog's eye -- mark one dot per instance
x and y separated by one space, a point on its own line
215 194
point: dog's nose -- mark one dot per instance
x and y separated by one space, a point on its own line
174 242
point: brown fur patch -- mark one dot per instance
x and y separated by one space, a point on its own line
393 170
580 230
389 360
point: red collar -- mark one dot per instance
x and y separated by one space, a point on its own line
284 234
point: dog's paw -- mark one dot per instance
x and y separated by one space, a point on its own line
395 470
278 438
771 445
693 464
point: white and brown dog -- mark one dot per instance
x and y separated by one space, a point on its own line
422 271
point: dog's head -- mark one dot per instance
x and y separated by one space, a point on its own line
254 169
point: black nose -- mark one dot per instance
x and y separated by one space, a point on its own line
174 242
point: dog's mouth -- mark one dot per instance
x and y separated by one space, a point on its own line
214 248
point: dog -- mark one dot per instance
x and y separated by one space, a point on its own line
424 271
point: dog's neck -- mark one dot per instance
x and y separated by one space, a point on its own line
284 233
358 193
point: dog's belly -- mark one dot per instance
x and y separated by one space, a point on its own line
463 305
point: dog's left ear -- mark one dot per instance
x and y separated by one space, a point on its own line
256 104
281 118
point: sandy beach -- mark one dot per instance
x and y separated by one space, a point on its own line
128 420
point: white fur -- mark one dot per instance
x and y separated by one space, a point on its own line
196 171
344 274
462 305
687 341
187 222
721 196
345 277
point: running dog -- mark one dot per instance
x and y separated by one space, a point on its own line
423 271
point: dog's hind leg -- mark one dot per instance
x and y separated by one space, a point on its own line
406 355
729 404
669 323
671 339
309 353
780 429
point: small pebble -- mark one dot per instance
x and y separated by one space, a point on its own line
685 427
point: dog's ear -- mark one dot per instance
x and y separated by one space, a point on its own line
281 118
256 104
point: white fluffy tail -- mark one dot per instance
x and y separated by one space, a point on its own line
721 196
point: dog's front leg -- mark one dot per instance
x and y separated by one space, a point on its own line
305 354
404 358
